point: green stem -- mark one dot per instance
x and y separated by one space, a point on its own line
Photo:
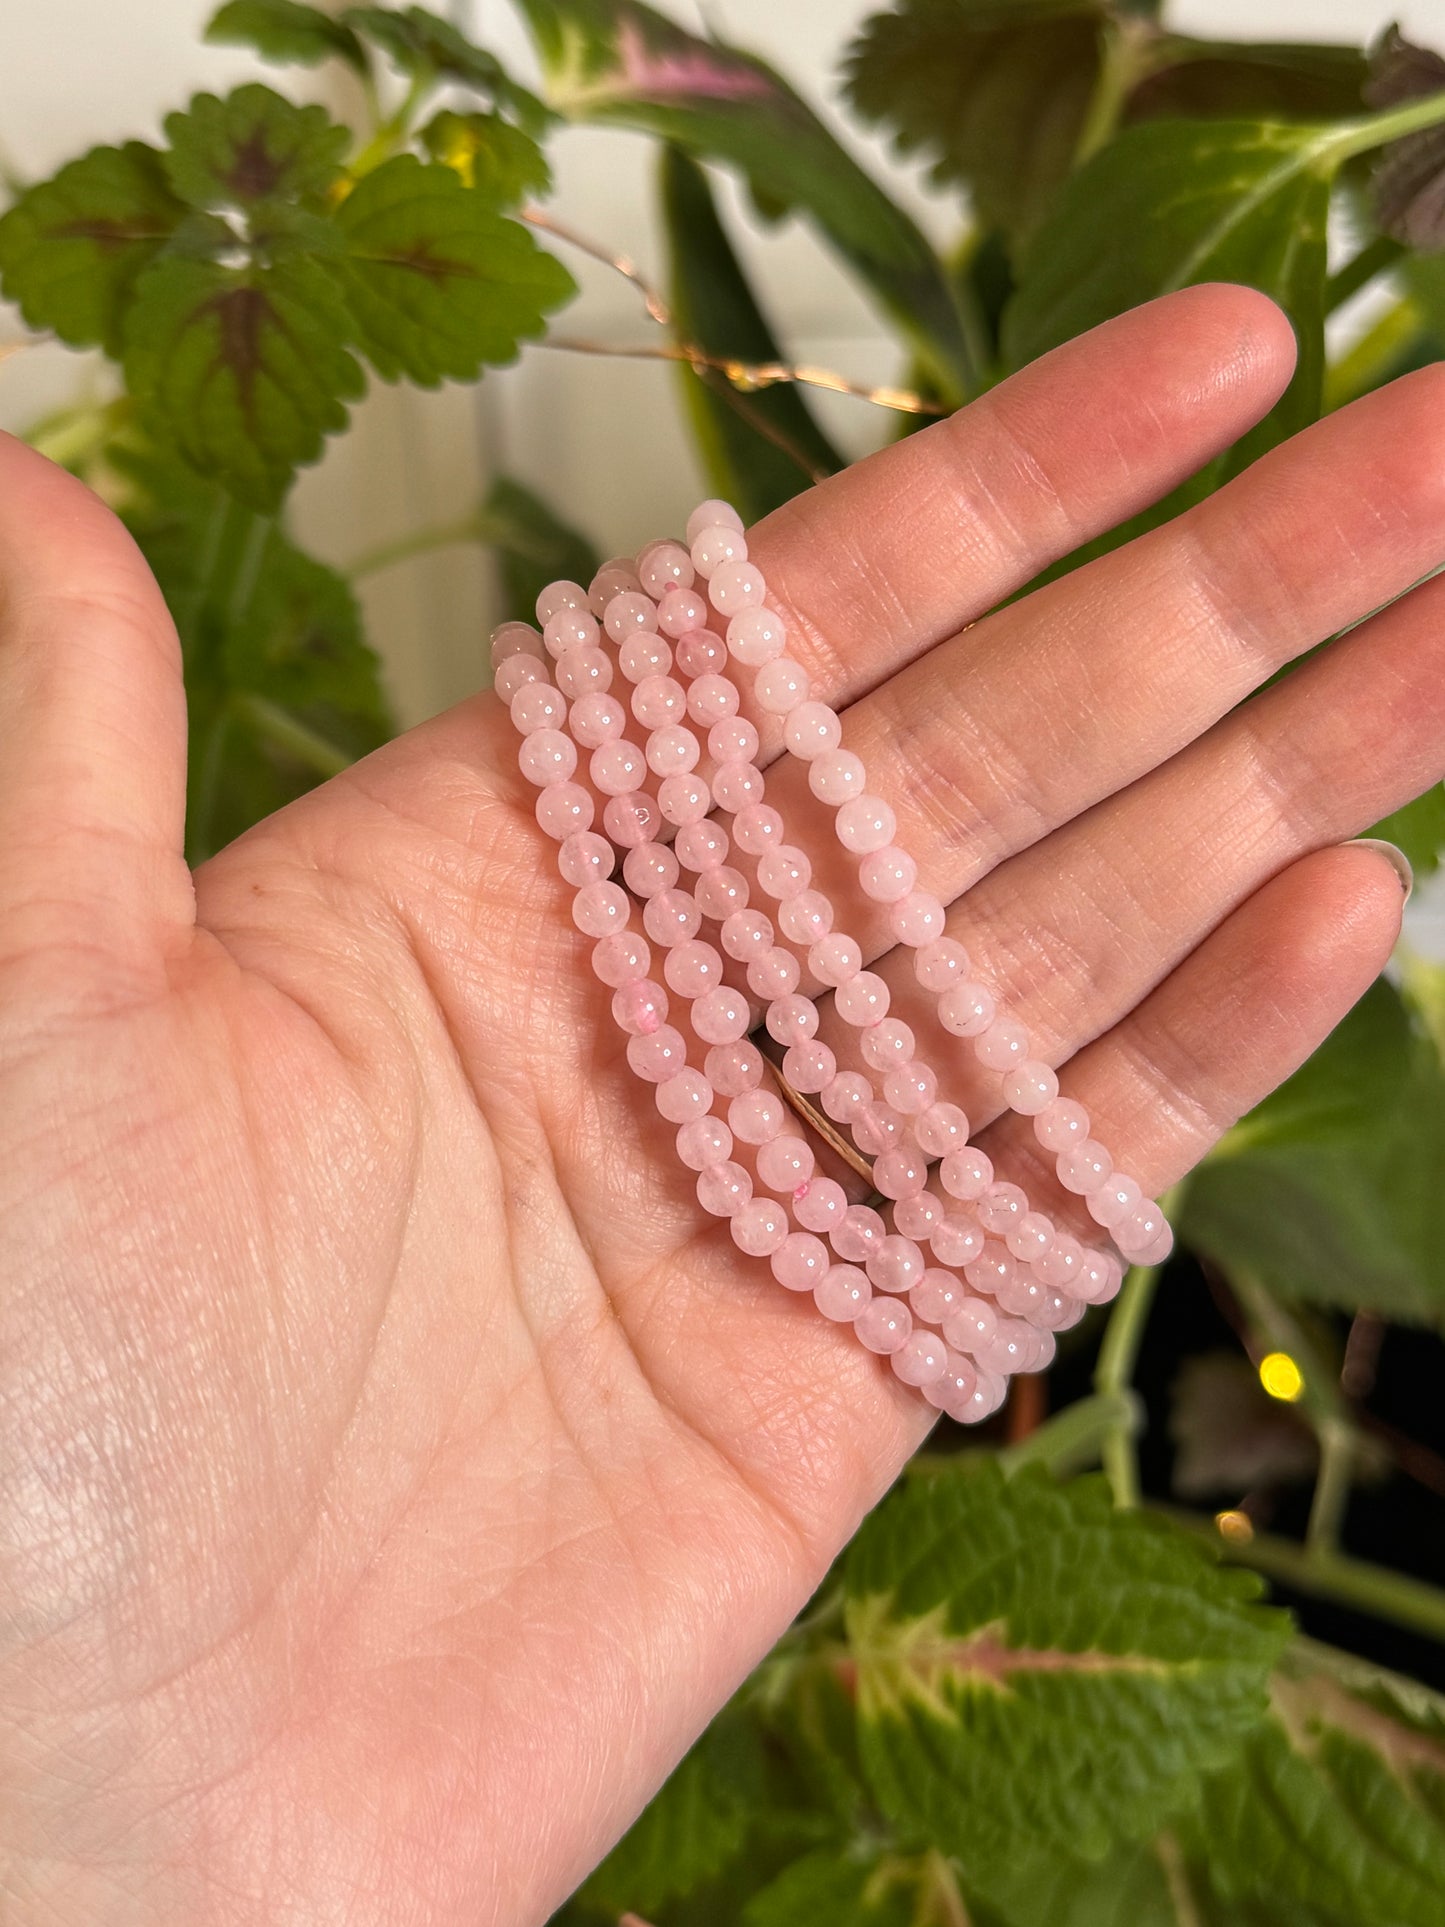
393 131
1115 1371
1372 259
476 527
1343 141
1073 1440
305 745
1332 1485
1123 61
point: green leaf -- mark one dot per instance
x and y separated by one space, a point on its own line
284 30
832 1889
623 64
1033 1664
1228 80
252 147
996 95
437 281
242 370
533 547
1419 830
490 155
1173 203
759 450
1330 1189
1134 1886
72 247
427 47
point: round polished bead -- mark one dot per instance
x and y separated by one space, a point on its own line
600 908
773 974
801 1262
994 1267
1031 1237
746 934
806 917
940 1129
859 1234
1084 1167
966 1174
585 857
842 1292
584 671
966 1009
701 846
618 768
639 1008
672 751
733 1068
659 700
692 968
780 685
1000 1206
621 958
631 819
971 1325
700 652
1143 1232
649 870
723 1189
564 809
661 1054
956 1241
884 1325
547 756
837 777
613 578
887 875
1062 1262
735 586
756 1116
644 655
879 1128
1112 1201
1030 1087
756 636
865 823
683 612
684 1096
721 1016
714 545
1099 1278
936 1294
819 1204
785 1162
738 787
514 674
900 1172
1061 1124
784 870
760 1227
792 1019
1002 1045
628 615
911 1088
921 1360
732 739
917 920
712 699
953 1392
538 706
919 1215
887 1044
721 891
808 1067
683 799
1058 1311
758 827
847 1097
570 629
862 1000
560 595
514 639
896 1264
597 719
940 965
662 566
835 959
812 729
714 513
672 917
703 1141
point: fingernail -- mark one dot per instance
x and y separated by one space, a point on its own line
1394 856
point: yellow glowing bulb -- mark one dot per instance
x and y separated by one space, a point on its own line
1281 1377
1237 1527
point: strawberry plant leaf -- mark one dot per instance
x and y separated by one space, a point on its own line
286 31
1227 80
1032 1663
437 281
833 1889
489 155
251 147
1419 830
427 47
72 247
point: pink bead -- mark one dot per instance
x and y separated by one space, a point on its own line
966 1174
628 615
971 1325
918 1216
956 1241
859 1234
1084 1167
900 1173
773 974
1000 1206
732 740
621 958
721 1016
617 768
793 1020
682 612
514 639
835 959
564 809
746 934
724 1189
866 823
700 653
809 1067
995 1267
692 968
713 546
671 917
758 827
847 1097
662 566
600 908
714 513
1099 1278
704 1141
584 671
560 595
756 636
760 1227
842 1292
733 1068
597 719
711 699
1002 1045
684 1096
1144 1228
570 629
887 876
884 1325
784 870
537 705
1058 1312
785 1162
940 965
935 1295
954 1391
1062 1262
721 891
918 919
940 1129
806 918
735 586
683 799
1031 1237
672 751
877 1129
738 787
661 1055
1061 1124
514 674
642 655
631 819
658 700
888 1044
1112 1201
613 578
1030 1087
811 730
701 846
966 1009
921 1360
780 685
837 776
896 1264
756 1116
910 1088
546 756
801 1262
585 858
649 870
862 1000
639 1008
819 1204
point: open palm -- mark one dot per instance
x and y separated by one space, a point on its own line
398 1468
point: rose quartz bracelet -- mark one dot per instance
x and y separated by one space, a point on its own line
1024 1278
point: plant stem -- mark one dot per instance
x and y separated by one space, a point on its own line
1072 1440
476 527
304 744
1351 137
1113 1376
1332 1485
1123 60
1372 259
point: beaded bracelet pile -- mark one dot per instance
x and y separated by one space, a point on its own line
999 1278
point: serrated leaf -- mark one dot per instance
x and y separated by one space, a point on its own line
1330 1189
489 155
251 147
996 95
1224 80
426 46
833 1889
1409 175
623 64
244 370
436 280
762 449
1134 1886
72 247
1419 830
285 30
1032 1663
1173 203
533 546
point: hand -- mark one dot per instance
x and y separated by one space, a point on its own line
399 1470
